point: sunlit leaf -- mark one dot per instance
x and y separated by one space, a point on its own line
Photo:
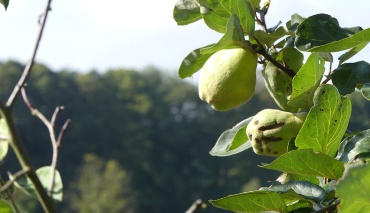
192 63
186 12
233 38
255 201
4 139
217 12
45 175
353 190
348 75
326 121
306 81
232 141
306 162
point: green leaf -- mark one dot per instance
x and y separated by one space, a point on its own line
216 13
353 190
347 75
255 201
269 38
192 63
5 3
365 90
234 37
322 33
279 85
306 81
359 39
232 141
306 162
4 139
186 12
354 146
350 53
326 121
303 188
45 174
294 22
5 207
291 57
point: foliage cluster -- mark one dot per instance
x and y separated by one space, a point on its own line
323 162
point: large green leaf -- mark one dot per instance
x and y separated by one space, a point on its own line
232 141
353 190
217 12
233 38
354 146
306 162
5 3
255 201
347 75
192 63
306 81
303 188
4 139
326 121
186 12
322 33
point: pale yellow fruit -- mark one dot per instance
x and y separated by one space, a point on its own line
228 78
270 131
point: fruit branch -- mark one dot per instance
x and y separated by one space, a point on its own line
261 50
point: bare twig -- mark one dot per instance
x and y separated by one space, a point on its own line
27 69
197 205
56 142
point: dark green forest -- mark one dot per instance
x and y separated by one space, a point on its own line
139 141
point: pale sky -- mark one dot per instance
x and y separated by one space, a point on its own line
93 34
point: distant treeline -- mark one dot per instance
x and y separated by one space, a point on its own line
144 132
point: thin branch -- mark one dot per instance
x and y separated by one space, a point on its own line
22 156
197 205
27 69
15 177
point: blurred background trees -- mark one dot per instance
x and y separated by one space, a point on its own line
139 140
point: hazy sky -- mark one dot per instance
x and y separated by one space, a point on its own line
92 34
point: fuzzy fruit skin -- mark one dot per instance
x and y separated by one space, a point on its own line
270 131
228 78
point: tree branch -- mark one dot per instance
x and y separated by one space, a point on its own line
197 205
27 69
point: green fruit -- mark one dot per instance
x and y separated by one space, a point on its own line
228 78
271 130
